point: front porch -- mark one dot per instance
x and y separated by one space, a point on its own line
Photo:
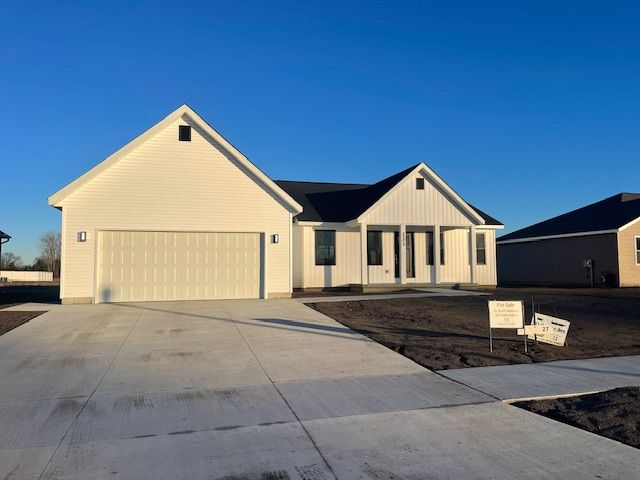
418 256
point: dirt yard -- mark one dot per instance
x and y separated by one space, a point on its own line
613 414
11 320
452 332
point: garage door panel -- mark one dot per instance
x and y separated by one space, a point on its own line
144 266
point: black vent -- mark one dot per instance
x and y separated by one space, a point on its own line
184 133
419 183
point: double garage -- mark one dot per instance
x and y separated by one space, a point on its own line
147 266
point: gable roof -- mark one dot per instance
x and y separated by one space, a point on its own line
184 110
343 202
609 214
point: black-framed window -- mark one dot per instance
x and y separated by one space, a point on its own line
184 133
637 250
419 183
442 252
374 247
325 247
430 248
481 249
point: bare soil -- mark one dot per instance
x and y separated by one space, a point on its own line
613 414
11 320
453 332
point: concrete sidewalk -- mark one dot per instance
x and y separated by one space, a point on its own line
254 390
423 293
535 380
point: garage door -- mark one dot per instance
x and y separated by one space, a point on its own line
145 266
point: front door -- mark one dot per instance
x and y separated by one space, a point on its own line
410 260
411 272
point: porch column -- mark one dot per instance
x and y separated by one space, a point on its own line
403 254
473 254
364 267
436 254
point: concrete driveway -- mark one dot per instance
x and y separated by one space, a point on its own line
257 390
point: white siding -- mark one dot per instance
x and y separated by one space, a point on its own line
26 276
456 268
347 268
384 273
486 274
408 205
167 185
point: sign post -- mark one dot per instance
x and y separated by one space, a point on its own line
506 314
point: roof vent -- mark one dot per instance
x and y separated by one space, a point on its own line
184 133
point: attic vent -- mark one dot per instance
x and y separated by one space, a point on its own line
419 183
184 133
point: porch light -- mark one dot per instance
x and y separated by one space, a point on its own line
275 238
82 236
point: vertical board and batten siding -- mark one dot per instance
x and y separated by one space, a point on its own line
627 262
167 185
487 274
347 268
384 273
456 268
410 206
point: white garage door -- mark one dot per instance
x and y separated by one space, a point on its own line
145 266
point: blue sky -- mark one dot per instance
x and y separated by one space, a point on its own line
527 109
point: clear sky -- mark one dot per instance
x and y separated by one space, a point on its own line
527 109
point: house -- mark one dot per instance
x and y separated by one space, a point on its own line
179 213
408 229
581 248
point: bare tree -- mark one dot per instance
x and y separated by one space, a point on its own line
50 251
10 261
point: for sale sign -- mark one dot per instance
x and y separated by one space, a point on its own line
553 330
506 314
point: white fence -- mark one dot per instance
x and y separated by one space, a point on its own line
26 276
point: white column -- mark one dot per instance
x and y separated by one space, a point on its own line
473 254
436 254
364 267
403 254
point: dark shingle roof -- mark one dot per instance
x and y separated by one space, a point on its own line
608 214
341 202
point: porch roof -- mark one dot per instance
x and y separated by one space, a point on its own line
342 202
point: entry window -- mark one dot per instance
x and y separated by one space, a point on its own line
637 250
374 248
442 248
419 183
429 248
184 133
325 247
481 252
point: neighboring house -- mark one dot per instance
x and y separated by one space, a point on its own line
579 248
179 213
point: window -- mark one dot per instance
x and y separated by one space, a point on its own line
429 248
184 133
637 250
441 248
325 247
419 183
481 252
374 248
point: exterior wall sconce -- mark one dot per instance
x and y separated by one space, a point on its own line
275 238
82 236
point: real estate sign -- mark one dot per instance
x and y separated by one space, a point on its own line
506 314
553 330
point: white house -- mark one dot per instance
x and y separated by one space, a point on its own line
179 213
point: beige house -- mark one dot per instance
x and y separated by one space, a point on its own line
179 213
593 245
